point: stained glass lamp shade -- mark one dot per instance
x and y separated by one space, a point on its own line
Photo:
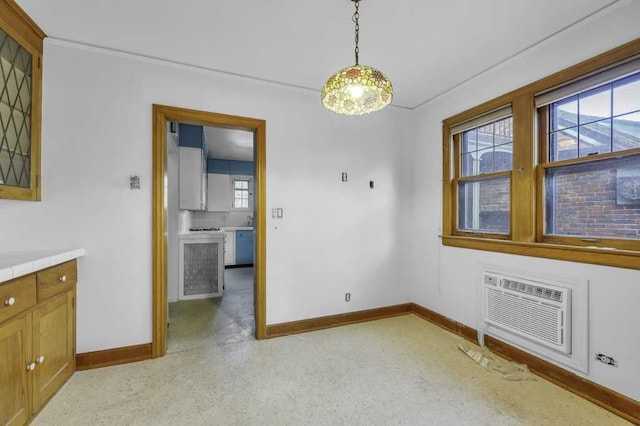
357 90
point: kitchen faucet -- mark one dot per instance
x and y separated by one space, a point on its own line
250 220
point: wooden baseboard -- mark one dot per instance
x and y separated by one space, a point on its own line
312 324
446 323
116 356
608 399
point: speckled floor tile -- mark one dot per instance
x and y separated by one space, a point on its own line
396 371
198 322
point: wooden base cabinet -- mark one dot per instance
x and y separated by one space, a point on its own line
53 347
37 343
15 406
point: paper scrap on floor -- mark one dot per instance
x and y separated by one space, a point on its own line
506 369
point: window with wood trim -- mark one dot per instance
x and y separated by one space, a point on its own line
551 169
590 144
483 150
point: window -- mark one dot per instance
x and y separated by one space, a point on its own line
551 169
484 178
592 164
241 194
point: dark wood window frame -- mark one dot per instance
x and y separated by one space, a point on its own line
527 177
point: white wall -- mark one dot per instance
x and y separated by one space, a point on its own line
444 278
335 237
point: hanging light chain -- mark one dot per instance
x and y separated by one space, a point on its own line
355 18
358 89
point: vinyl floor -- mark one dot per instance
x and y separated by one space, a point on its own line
396 371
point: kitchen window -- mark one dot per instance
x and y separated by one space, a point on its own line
551 169
242 194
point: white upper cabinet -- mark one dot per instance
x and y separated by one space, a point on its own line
218 193
191 182
193 168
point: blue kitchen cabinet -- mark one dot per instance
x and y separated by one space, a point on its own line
241 168
215 165
230 167
244 247
191 136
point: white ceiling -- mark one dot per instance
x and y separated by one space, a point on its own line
229 144
424 47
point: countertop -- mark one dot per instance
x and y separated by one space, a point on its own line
198 235
17 264
237 228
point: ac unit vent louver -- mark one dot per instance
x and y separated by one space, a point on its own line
535 290
540 312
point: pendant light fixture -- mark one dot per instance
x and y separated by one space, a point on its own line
358 89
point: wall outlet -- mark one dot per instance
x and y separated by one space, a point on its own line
347 297
605 359
344 176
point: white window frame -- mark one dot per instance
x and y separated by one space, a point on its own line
233 180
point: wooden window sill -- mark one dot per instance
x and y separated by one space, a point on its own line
593 255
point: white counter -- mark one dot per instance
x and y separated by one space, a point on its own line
237 228
17 264
198 235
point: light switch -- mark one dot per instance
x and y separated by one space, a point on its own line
280 213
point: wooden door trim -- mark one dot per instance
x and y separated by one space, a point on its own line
162 114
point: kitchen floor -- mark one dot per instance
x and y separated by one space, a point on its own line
221 320
401 371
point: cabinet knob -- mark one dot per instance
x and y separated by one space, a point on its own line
62 278
10 301
40 359
31 367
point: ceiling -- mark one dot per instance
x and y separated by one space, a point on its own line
229 144
424 47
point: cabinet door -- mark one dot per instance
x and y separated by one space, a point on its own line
218 195
20 104
205 188
14 376
53 346
230 248
244 248
190 179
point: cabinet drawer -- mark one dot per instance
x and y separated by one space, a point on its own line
17 295
56 279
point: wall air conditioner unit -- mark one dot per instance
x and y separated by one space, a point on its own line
538 312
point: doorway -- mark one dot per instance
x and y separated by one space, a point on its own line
161 115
